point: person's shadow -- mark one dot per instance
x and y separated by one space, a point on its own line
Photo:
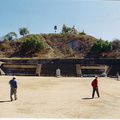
87 98
5 101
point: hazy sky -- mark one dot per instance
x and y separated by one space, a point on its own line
97 18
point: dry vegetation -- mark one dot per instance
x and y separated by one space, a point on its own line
60 46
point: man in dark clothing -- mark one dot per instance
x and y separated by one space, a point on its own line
13 90
95 87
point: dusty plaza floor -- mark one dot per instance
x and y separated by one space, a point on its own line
64 97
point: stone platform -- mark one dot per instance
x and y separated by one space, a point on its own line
68 67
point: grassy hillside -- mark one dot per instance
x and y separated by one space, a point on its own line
60 46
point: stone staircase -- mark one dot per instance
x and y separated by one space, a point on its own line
92 70
19 69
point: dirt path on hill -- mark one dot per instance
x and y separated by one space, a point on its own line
65 97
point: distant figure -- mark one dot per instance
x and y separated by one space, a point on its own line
13 90
95 87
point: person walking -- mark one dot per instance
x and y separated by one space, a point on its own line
95 87
13 88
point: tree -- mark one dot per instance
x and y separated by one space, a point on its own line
23 31
32 44
10 36
66 29
101 46
55 28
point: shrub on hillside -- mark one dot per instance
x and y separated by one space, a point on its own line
101 46
32 44
82 33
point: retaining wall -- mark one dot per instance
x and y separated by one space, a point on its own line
48 66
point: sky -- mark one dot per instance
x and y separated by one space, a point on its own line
98 18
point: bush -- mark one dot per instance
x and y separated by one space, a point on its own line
101 46
82 33
32 44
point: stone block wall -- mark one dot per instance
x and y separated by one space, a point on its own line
47 67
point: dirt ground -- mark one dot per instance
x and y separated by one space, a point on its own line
64 97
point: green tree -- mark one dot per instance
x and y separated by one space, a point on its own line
32 44
101 46
10 36
66 29
23 31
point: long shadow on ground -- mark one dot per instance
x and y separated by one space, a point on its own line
87 98
5 101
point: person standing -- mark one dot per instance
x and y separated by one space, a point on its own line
95 87
13 88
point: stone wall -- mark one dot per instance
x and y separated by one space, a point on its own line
48 66
63 61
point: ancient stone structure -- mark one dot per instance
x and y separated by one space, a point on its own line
68 67
74 30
